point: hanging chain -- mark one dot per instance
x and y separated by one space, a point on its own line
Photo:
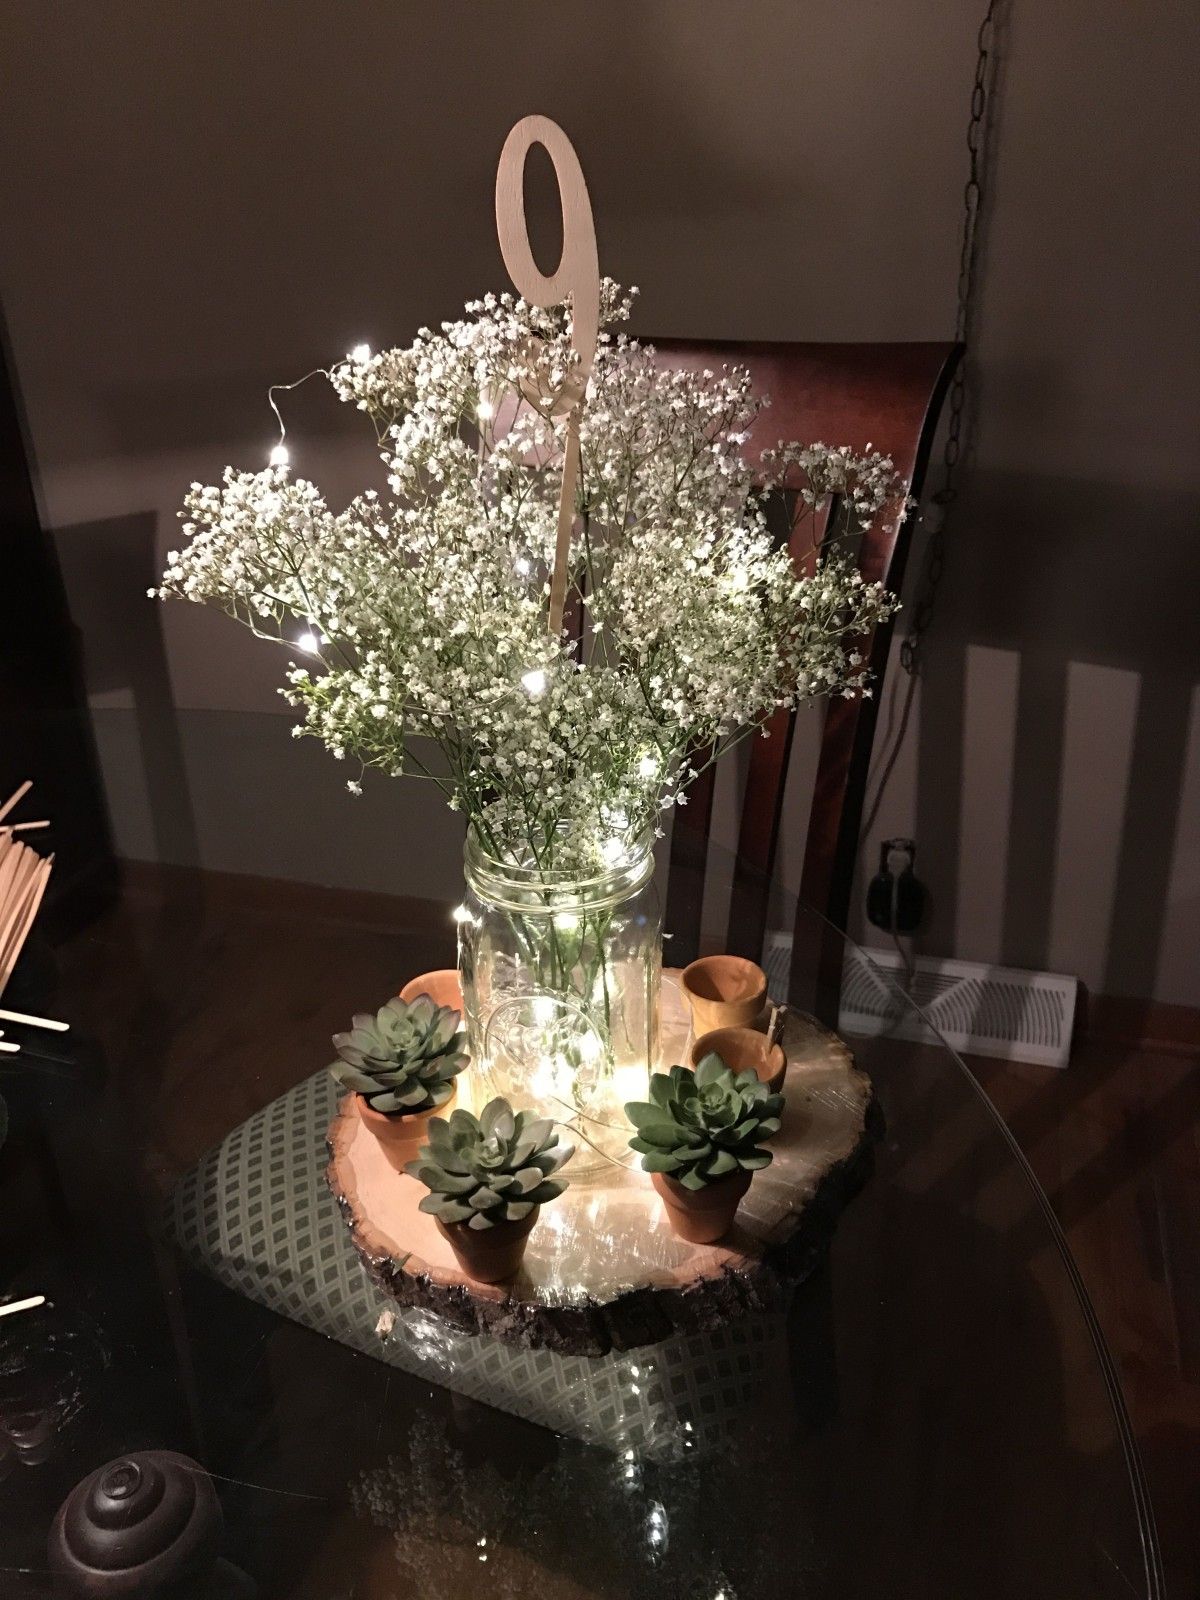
943 500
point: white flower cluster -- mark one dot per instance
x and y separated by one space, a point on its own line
425 612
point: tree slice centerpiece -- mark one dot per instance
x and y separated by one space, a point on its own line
603 1270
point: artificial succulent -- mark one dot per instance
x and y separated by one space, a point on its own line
404 1058
703 1125
488 1169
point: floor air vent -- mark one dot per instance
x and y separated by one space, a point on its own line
979 1010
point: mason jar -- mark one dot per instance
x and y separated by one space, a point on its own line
560 977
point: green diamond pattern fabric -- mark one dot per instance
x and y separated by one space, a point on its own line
257 1214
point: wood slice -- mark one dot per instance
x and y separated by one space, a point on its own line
603 1269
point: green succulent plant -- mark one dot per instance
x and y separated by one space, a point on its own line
704 1125
404 1058
488 1169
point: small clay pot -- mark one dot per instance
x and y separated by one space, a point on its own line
444 988
489 1255
744 1050
724 992
401 1137
702 1216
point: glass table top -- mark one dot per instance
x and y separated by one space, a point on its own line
952 1423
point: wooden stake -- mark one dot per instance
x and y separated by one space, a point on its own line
566 521
577 275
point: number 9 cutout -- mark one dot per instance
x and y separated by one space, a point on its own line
577 275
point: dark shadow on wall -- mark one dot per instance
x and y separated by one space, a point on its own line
938 821
1033 816
1064 573
1150 824
107 568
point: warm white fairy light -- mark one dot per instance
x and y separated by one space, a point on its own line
656 1525
432 630
565 921
590 1046
615 820
543 1080
309 643
461 915
614 852
361 353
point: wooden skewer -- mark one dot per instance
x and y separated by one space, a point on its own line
24 869
26 922
12 1049
23 878
34 1022
31 1304
18 794
10 856
22 884
12 909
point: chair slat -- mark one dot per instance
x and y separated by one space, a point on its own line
881 396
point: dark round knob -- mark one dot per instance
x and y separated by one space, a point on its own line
136 1526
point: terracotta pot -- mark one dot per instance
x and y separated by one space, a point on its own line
702 1216
724 992
489 1255
742 1050
443 987
401 1137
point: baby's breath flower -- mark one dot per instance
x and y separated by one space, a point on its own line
422 614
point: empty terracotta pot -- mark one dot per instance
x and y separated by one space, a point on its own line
443 987
401 1137
742 1050
724 992
702 1216
489 1255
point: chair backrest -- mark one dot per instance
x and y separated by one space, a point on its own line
887 396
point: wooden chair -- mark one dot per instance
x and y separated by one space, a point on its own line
888 396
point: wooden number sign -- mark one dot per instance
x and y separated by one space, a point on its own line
577 275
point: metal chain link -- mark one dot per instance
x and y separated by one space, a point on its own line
973 196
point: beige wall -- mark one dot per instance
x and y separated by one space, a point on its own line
204 198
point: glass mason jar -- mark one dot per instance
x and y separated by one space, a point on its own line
560 978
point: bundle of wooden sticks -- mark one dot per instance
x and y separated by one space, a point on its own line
23 877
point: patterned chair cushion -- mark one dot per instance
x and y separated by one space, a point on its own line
256 1213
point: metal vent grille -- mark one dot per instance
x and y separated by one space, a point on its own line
980 1010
